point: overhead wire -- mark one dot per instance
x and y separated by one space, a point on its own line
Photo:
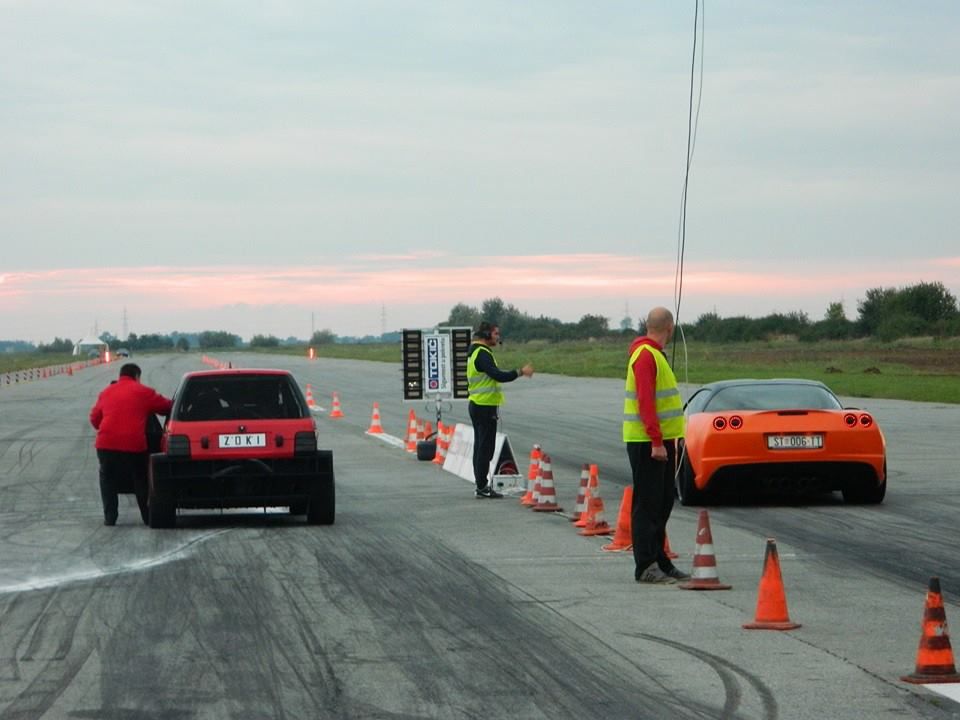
693 121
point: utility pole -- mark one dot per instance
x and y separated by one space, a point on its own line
125 332
383 320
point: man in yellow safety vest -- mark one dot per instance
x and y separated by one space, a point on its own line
486 397
652 423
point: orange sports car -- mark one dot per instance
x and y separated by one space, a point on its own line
750 435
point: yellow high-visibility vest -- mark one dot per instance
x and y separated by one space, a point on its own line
483 389
668 401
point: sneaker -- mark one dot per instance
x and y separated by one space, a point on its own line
488 493
677 574
655 576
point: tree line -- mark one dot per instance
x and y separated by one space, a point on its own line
924 309
884 313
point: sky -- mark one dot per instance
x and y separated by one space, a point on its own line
282 167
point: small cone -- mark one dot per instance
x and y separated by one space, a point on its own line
593 486
548 496
427 429
412 432
311 403
622 539
443 443
935 655
531 497
421 430
375 427
667 549
704 575
532 473
596 519
336 412
771 598
581 506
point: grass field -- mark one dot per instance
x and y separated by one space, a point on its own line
916 369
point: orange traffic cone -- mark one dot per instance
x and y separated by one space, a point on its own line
666 547
421 430
771 598
622 539
375 427
935 655
427 429
411 432
704 576
548 496
581 506
532 496
592 484
336 412
532 471
596 519
311 403
443 443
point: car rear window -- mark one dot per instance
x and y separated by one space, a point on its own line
239 397
771 396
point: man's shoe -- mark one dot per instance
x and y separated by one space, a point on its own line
677 574
488 493
655 576
110 521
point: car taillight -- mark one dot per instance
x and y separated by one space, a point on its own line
850 420
178 446
719 423
866 420
736 422
304 443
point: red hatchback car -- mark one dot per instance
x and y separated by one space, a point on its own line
240 438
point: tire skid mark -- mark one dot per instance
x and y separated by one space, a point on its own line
727 672
65 662
553 675
78 576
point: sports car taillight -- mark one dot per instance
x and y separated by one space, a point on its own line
850 420
719 423
866 420
304 443
178 446
736 422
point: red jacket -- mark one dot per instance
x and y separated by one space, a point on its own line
120 415
645 374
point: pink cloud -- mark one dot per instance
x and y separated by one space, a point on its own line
420 289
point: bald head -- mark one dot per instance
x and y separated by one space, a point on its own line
660 324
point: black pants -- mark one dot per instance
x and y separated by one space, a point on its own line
484 419
119 471
653 494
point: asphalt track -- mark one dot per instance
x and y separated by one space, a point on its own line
422 602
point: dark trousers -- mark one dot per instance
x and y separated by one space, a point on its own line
653 494
484 419
119 471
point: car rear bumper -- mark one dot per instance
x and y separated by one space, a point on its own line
188 483
802 475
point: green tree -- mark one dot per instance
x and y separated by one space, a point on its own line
58 345
183 345
323 337
264 341
218 339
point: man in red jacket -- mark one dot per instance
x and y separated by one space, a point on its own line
120 418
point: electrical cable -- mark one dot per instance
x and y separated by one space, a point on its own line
693 121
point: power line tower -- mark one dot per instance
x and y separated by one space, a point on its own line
125 331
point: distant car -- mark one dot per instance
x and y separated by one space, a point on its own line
747 435
240 438
122 353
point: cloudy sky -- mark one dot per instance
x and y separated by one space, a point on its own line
273 167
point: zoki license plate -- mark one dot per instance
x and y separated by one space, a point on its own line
243 440
794 442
